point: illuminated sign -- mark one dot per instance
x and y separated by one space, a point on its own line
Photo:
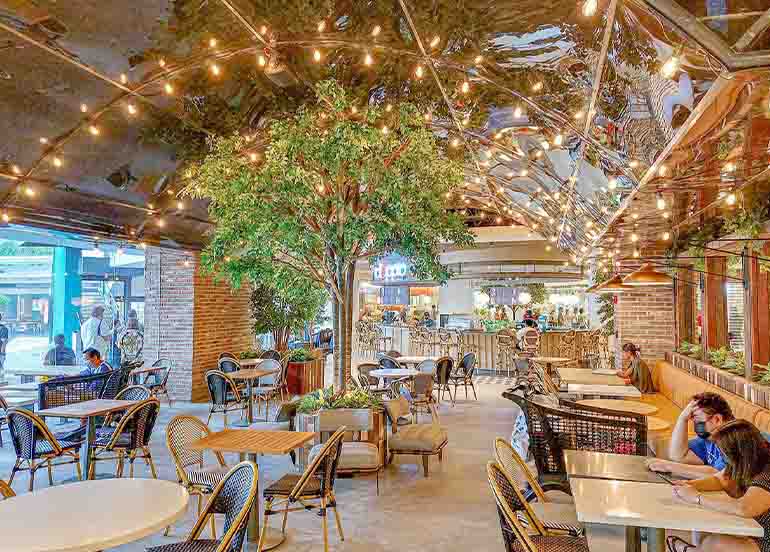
395 269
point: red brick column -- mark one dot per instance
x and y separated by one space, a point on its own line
645 317
190 319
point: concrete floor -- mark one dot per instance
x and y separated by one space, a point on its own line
450 510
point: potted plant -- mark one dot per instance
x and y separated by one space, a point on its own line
304 371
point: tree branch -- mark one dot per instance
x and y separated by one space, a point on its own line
397 152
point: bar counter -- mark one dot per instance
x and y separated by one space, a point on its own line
485 342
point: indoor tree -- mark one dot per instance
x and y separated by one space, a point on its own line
325 187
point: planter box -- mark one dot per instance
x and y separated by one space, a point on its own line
304 377
751 391
358 419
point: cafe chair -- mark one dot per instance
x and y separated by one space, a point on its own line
518 470
389 363
3 417
516 536
129 439
315 483
224 395
423 440
36 447
393 354
422 395
444 367
5 490
368 382
271 386
234 497
464 375
271 354
427 366
226 354
200 479
157 382
543 515
134 393
112 385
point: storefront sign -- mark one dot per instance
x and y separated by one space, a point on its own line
392 270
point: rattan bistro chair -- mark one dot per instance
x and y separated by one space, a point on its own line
157 382
129 439
37 447
198 478
234 497
3 417
224 395
422 395
519 472
370 383
271 354
5 490
316 483
271 385
516 536
464 375
389 363
444 367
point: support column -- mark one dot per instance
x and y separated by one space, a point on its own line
686 307
715 304
65 292
645 317
757 314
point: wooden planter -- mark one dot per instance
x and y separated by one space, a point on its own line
378 435
304 377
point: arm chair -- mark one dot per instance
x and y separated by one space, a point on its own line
157 382
5 490
556 428
548 516
234 496
129 439
315 483
194 475
358 457
136 393
444 367
69 390
224 395
464 375
424 440
271 354
518 537
37 447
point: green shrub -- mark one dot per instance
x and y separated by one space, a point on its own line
327 399
300 355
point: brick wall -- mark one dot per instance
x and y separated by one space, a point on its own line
646 318
190 319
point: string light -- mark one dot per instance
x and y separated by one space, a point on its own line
321 26
94 130
123 78
589 8
253 156
83 108
57 162
465 87
517 112
6 218
634 238
168 89
731 198
263 30
670 68
316 56
385 130
660 202
435 41
419 72
376 30
666 215
212 42
537 87
215 70
180 205
666 236
43 140
662 170
162 62
261 60
15 169
161 222
579 115
729 167
368 60
558 140
636 253
131 108
524 172
455 142
633 163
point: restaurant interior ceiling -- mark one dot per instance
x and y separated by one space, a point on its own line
576 120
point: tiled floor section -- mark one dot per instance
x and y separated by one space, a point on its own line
450 510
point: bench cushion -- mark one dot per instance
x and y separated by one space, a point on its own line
421 437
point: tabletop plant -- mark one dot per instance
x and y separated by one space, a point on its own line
325 187
328 399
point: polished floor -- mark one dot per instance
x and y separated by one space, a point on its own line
450 510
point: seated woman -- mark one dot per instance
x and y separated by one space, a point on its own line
745 482
637 373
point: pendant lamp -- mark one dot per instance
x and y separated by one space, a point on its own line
646 275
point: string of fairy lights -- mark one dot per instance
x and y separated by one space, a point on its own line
583 222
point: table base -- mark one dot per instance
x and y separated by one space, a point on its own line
273 539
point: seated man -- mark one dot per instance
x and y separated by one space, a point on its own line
698 457
528 323
59 354
94 363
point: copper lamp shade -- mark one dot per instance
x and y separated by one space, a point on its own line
646 275
613 285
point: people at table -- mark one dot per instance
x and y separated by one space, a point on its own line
60 354
700 456
637 373
742 489
96 333
94 363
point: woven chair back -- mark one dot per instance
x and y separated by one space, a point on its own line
234 497
5 490
509 501
530 341
3 404
513 465
389 363
27 429
468 364
226 354
160 378
271 354
444 367
270 379
228 365
181 433
133 393
423 385
219 385
112 385
427 366
323 466
363 373
138 423
69 390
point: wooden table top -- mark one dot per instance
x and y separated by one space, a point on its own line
551 360
625 406
86 409
587 377
250 361
252 441
657 424
413 359
251 373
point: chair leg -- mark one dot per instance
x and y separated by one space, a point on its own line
262 533
208 420
474 392
148 457
50 473
425 464
285 518
337 517
324 524
213 526
32 469
121 463
78 471
377 478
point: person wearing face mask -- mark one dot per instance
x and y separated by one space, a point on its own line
698 457
741 488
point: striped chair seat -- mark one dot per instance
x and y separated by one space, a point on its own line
551 544
44 447
284 486
207 477
202 545
554 518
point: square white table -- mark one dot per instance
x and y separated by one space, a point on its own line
603 390
605 465
632 504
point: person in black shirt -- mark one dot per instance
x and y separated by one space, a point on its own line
60 354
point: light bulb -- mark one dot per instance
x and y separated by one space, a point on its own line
83 108
517 112
161 222
368 60
729 167
15 169
524 172
253 156
419 72
389 108
43 140
558 140
633 163
321 26
29 191
579 115
385 130
547 247
731 198
455 142
636 253
57 162
261 60
215 70
634 238
168 89
376 30
162 62
131 108
6 218
478 60
465 87
316 56
179 205
263 30
123 78
435 41
670 68
589 8
212 42
94 130
537 86
666 215
661 203
666 236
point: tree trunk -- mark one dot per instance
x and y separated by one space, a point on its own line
342 313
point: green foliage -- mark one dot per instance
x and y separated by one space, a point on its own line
726 359
327 399
538 293
494 326
607 313
286 299
249 353
300 355
693 350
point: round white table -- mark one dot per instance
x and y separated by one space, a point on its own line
89 516
388 373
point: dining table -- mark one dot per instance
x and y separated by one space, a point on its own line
636 504
89 516
607 465
249 443
249 376
413 360
87 410
624 391
384 374
550 361
587 377
645 409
